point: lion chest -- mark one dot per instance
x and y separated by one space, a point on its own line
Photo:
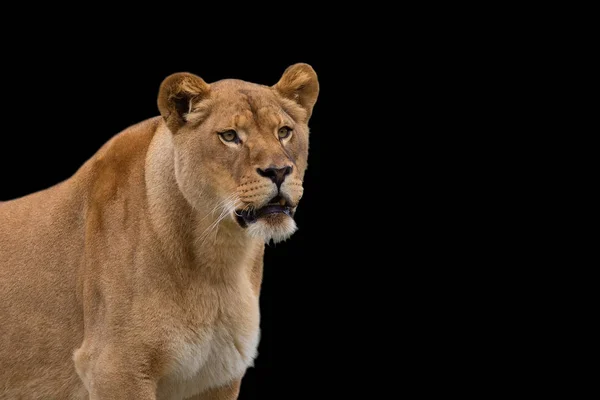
212 355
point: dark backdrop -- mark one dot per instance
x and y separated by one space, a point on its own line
52 90
376 288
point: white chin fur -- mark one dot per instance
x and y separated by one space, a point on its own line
267 232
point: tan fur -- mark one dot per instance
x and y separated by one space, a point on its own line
132 279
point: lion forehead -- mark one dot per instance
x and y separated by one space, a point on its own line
248 102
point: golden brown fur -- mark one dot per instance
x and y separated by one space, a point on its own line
134 279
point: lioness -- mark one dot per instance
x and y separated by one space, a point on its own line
139 276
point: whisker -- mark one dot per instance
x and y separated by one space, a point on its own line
224 201
215 225
220 204
226 209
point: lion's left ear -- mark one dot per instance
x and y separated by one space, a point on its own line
177 94
300 83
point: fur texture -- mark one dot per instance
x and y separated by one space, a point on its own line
135 278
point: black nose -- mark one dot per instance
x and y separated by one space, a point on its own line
277 175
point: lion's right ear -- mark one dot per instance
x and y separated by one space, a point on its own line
300 84
176 96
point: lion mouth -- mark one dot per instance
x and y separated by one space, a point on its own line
277 205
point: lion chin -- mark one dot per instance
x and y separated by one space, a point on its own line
275 227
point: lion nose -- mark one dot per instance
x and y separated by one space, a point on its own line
277 175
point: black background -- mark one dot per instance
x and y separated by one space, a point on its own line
64 101
384 285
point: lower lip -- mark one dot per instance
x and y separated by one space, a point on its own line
266 210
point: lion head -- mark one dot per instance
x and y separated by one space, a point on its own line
242 147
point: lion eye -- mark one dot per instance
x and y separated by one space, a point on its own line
284 132
229 136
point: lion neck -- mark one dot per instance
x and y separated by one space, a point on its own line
188 235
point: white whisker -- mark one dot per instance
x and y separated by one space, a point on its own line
220 204
227 207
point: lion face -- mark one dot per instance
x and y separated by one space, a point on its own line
241 148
